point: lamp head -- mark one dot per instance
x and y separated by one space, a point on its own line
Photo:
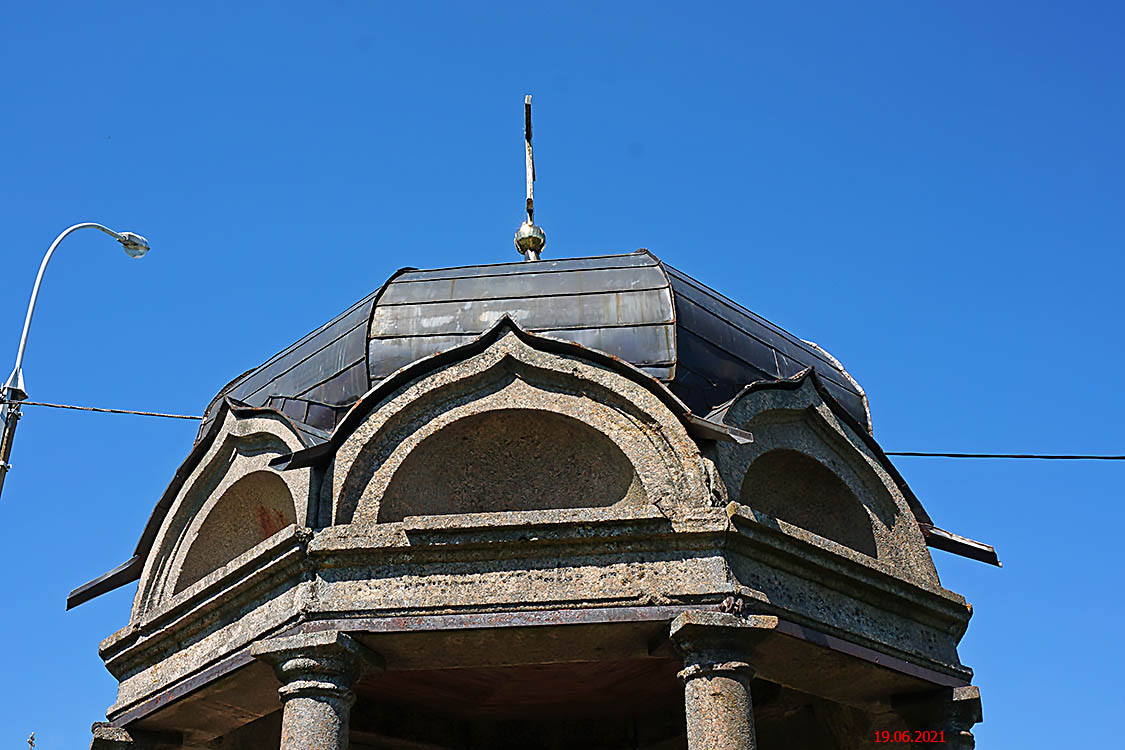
134 244
14 389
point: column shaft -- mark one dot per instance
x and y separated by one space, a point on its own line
716 647
317 722
718 706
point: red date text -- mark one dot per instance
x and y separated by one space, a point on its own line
905 736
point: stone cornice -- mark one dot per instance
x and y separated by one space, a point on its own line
845 570
571 537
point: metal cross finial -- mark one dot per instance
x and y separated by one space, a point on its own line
530 239
530 166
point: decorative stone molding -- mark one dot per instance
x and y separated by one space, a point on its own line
717 648
791 418
964 714
237 460
108 737
511 376
317 672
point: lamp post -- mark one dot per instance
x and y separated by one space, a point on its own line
13 391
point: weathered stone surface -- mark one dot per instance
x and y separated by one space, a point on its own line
229 503
718 706
261 591
518 480
585 580
814 581
317 671
964 712
717 649
109 737
794 429
510 460
511 376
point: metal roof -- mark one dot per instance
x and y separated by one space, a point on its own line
703 346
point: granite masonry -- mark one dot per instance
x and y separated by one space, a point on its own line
578 503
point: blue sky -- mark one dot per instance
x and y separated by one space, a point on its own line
931 191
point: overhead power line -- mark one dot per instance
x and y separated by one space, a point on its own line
1040 456
921 454
110 411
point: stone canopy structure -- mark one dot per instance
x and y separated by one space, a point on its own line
578 503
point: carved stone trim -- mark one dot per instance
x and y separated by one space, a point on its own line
328 661
511 375
717 648
735 668
317 672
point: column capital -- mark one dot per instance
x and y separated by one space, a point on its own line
718 649
709 668
325 663
713 643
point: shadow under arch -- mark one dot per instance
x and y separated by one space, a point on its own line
798 489
510 460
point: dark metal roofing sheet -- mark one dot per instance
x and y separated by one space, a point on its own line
413 288
566 265
618 304
726 347
326 365
644 346
539 312
703 345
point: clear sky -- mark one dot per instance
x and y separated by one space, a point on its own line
933 191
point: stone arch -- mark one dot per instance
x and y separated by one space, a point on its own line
510 459
798 489
793 416
242 446
251 510
547 391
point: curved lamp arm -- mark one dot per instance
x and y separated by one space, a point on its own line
134 244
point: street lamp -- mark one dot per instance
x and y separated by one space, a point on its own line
13 391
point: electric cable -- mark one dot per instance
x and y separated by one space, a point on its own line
107 411
918 454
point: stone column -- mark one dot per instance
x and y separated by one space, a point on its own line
716 648
317 672
954 711
965 711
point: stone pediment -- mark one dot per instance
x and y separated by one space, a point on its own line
230 501
513 422
812 473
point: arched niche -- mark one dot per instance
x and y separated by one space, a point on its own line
792 419
604 421
226 477
510 459
799 490
251 510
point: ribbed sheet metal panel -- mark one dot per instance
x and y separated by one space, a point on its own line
724 347
329 366
703 345
618 304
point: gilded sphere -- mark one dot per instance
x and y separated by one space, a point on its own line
530 238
